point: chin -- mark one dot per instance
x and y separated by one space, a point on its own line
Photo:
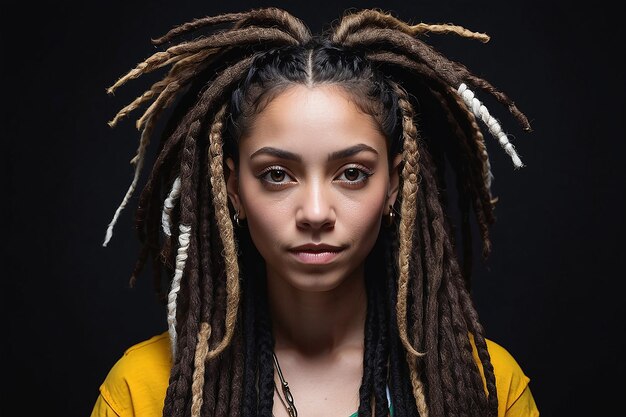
320 280
315 286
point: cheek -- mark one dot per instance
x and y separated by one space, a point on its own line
264 224
363 217
265 217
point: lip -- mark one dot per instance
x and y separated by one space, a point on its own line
316 254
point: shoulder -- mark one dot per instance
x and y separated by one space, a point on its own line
512 384
137 382
155 349
505 366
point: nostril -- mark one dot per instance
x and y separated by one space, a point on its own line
316 219
316 210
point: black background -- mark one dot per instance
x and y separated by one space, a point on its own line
551 293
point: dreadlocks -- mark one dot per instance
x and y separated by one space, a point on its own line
420 321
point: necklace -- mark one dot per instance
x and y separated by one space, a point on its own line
289 405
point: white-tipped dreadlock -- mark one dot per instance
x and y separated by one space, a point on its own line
168 206
181 260
481 112
138 162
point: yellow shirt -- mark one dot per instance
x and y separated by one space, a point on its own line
136 384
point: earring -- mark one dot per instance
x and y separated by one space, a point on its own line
391 216
237 219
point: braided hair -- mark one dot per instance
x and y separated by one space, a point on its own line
420 322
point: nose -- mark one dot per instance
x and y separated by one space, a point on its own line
315 210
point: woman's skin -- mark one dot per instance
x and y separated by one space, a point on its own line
291 191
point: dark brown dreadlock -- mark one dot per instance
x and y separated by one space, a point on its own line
220 333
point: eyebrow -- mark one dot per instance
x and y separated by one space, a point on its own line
279 153
352 150
344 153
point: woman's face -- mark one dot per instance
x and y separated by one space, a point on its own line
313 184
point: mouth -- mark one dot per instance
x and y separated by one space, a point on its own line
316 254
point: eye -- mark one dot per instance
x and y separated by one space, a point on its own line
275 175
352 174
355 175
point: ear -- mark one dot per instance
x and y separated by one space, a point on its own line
394 181
232 187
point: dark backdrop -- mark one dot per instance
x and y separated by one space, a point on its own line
551 292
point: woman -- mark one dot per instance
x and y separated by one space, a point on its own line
297 206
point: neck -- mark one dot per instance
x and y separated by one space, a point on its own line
315 323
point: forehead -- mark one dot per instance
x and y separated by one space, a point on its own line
302 118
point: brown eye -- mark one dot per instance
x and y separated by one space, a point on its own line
277 175
352 174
